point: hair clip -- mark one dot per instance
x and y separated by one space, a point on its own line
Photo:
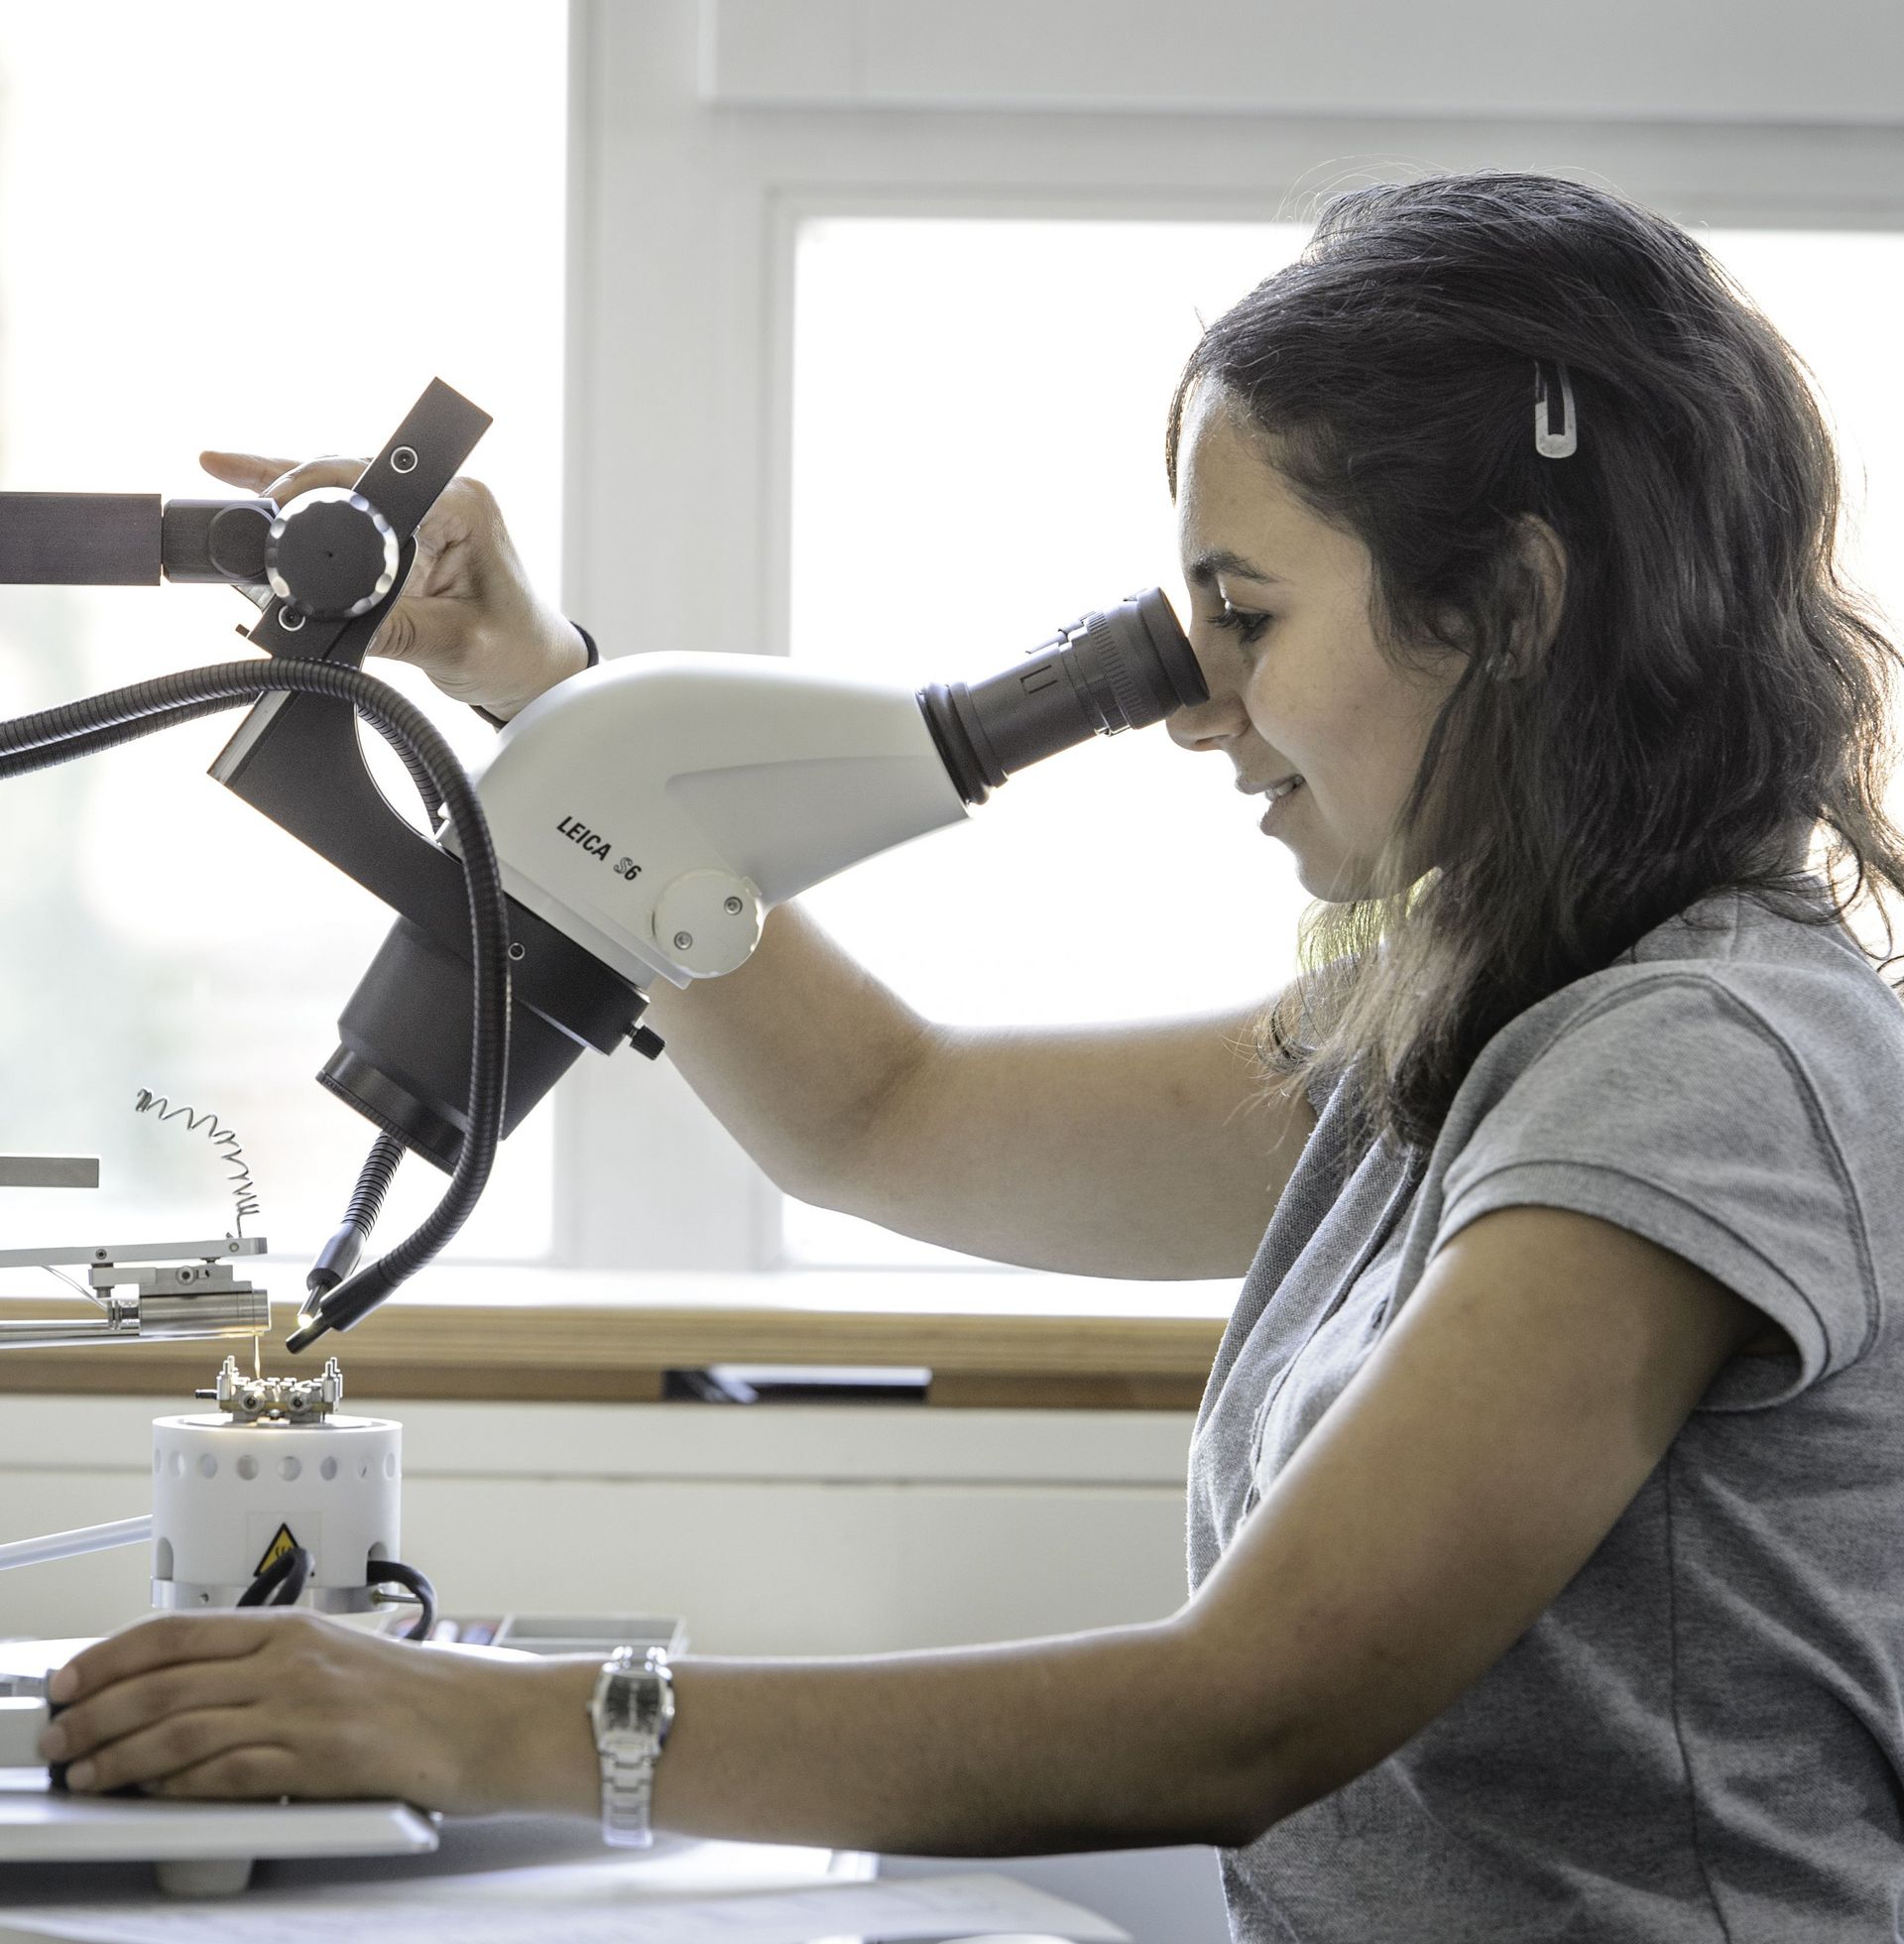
1556 431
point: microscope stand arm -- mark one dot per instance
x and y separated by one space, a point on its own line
69 1545
198 1297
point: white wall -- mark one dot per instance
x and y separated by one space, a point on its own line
1835 62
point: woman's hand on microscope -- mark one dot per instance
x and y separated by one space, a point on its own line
467 615
281 1702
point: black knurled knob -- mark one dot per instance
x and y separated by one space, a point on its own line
331 554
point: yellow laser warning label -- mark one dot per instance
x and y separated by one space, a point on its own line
282 1542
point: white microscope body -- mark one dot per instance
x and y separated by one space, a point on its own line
655 808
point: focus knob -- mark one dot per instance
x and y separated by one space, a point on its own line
331 554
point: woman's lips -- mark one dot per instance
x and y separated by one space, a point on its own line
1280 803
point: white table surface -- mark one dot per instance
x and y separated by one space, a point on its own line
561 1860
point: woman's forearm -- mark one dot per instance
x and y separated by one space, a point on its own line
1087 1741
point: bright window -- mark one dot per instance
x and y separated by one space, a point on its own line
978 434
235 229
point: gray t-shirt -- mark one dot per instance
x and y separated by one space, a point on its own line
1703 1736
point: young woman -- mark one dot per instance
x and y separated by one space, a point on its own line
1545 1499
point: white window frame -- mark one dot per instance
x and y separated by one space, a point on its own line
691 172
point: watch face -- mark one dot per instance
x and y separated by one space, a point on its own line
632 1706
634 1702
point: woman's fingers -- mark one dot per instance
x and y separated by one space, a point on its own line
131 1705
466 614
327 471
161 1641
281 479
235 1775
170 1746
315 1710
246 469
241 1697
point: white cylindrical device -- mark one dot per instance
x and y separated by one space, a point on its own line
229 1497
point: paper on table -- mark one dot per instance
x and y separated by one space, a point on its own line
919 1907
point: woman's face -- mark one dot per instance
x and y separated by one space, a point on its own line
1281 625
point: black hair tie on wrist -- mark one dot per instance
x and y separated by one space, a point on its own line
594 662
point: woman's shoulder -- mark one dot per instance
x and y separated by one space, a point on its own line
1731 1088
1789 971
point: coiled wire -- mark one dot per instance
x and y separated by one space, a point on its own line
243 1189
338 1257
373 1182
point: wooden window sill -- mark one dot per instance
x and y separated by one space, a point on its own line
494 1334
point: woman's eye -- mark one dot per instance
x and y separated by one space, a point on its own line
1245 623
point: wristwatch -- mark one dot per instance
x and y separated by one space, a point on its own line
631 1710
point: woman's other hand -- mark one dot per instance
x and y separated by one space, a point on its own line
285 1703
467 614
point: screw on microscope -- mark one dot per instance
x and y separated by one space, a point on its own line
731 907
404 459
683 941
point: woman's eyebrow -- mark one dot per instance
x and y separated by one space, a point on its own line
1206 566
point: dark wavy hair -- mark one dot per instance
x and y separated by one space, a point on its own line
1714 704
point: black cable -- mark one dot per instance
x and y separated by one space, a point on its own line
75 746
338 1257
75 729
281 1583
393 1572
425 785
72 747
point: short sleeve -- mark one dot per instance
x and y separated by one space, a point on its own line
1678 1112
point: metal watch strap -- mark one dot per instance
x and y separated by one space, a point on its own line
628 1786
631 1710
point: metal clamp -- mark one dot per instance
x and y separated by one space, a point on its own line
276 1400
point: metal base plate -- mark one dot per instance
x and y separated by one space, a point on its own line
38 1826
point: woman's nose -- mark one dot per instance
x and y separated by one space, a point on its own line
1211 724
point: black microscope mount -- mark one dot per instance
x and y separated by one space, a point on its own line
325 570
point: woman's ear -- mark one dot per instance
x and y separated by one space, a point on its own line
1536 570
1530 580
1543 559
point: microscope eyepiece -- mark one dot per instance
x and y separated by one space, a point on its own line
1123 668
